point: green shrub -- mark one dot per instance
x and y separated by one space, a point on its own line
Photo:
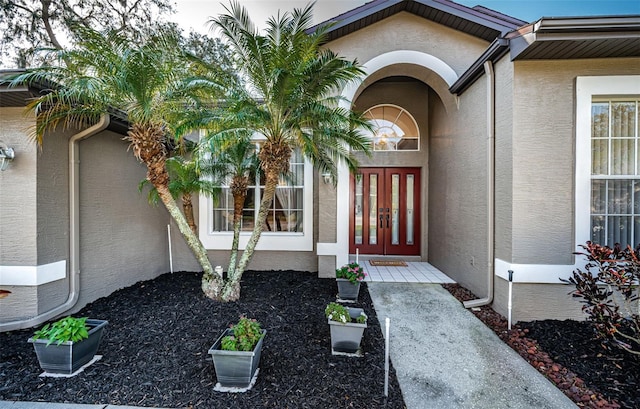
246 334
66 329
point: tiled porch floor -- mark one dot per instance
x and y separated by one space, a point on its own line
415 272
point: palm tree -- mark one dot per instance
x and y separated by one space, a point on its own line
291 97
185 181
149 82
231 157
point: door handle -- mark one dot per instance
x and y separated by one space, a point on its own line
381 219
387 220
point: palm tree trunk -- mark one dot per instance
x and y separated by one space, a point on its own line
238 203
187 208
211 283
270 185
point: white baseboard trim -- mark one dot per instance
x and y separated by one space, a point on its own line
33 275
535 273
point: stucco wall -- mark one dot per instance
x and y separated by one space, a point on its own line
18 212
457 188
18 192
123 239
537 301
410 32
504 187
543 155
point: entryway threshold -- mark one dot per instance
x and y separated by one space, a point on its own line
414 272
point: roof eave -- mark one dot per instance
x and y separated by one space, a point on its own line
496 51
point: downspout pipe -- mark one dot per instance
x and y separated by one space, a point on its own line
491 171
74 232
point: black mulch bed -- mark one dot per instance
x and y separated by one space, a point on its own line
591 372
155 349
605 368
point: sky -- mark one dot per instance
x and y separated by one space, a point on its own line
195 13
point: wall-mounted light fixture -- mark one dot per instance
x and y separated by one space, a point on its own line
6 155
327 178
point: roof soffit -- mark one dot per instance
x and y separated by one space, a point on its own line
479 22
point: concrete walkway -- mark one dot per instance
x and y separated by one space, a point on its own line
443 355
446 358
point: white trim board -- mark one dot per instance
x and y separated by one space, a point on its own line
33 275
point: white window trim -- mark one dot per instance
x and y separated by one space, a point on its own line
280 241
587 88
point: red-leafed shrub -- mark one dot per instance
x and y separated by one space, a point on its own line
609 290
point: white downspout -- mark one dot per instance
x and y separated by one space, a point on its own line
491 160
74 232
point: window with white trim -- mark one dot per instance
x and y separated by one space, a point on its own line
287 209
394 129
289 225
615 171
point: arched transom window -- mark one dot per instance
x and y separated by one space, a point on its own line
394 129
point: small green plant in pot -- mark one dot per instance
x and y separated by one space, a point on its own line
246 334
347 328
66 345
236 354
66 329
348 278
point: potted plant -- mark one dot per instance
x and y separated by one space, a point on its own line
68 344
236 353
347 327
348 278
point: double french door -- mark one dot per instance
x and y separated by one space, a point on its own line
385 211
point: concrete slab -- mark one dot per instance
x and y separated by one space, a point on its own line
446 358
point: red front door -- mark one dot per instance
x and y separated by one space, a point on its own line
385 211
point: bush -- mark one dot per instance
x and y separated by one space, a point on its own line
246 334
66 329
609 291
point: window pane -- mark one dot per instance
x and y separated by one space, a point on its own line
409 199
623 121
620 197
600 157
623 157
598 196
358 211
600 120
598 229
395 209
619 230
373 204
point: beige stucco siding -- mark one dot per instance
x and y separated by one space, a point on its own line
18 213
503 70
405 31
457 188
543 155
18 192
537 301
123 239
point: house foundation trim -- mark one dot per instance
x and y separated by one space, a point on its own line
33 275
536 273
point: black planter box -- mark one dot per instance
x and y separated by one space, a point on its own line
69 356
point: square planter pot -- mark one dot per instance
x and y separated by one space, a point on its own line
347 290
345 338
69 356
235 369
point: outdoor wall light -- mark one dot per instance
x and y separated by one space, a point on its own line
327 178
6 155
